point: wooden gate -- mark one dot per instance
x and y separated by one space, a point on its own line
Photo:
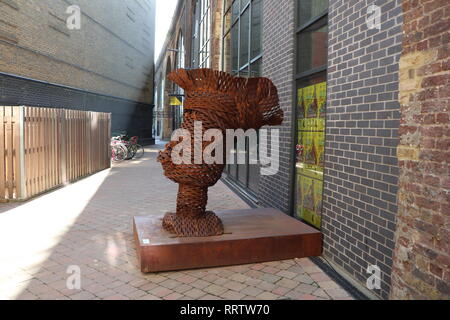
43 148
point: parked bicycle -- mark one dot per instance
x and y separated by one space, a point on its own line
125 148
136 150
119 151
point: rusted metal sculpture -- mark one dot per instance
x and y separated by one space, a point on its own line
219 101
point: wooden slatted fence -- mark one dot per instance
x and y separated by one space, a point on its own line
43 148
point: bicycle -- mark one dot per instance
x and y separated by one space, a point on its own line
136 149
129 146
118 152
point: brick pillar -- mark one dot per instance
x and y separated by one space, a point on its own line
422 252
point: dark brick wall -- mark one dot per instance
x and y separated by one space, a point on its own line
278 65
112 53
133 117
361 170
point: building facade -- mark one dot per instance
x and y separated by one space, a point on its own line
192 42
106 65
364 89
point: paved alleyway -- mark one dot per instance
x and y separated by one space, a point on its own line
88 224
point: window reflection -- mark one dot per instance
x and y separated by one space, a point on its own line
242 56
256 38
308 9
312 47
311 108
244 18
235 48
202 34
244 31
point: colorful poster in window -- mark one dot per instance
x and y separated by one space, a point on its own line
308 101
319 147
300 99
310 147
310 196
317 197
321 98
320 124
306 192
175 101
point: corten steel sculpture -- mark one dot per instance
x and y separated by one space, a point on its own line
219 101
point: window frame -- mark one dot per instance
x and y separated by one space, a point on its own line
180 62
299 77
234 172
250 61
202 34
304 29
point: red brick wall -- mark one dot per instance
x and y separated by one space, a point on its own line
422 252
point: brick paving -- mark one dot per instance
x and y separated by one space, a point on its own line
88 224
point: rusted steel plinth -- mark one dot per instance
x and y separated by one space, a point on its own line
250 236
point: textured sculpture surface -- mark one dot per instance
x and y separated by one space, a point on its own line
219 101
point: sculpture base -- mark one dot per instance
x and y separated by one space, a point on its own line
205 226
250 236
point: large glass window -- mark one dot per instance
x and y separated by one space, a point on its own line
309 10
180 51
311 66
312 47
202 34
242 56
256 30
242 37
178 92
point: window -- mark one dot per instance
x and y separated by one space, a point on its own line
242 56
311 66
177 110
180 52
312 47
202 34
242 37
309 10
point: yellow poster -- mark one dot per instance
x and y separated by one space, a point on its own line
321 96
318 147
174 101
308 99
310 157
320 124
299 97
